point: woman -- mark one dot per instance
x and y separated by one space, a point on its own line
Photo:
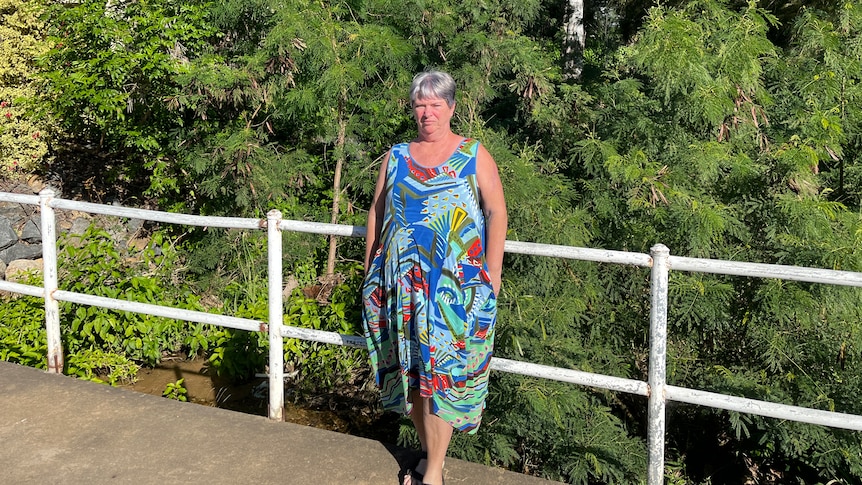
433 262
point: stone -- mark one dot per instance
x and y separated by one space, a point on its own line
2 269
21 251
79 225
291 284
139 243
134 225
36 184
8 236
12 211
76 230
65 219
18 269
31 232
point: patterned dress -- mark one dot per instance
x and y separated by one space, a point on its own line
429 308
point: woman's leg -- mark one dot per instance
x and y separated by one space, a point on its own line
434 434
418 418
416 415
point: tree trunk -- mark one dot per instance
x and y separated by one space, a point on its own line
574 40
336 185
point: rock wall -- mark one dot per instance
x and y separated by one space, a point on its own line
21 231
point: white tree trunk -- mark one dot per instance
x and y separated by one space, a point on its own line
574 40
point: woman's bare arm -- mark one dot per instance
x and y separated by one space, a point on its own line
496 217
375 214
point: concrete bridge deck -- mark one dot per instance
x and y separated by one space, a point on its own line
61 430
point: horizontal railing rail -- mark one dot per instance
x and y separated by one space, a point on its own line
659 261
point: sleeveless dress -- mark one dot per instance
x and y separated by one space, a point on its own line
429 307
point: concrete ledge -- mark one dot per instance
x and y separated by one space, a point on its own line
61 430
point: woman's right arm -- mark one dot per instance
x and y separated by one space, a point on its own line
375 214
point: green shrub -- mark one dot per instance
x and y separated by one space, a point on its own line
97 266
100 366
238 354
23 140
22 332
176 391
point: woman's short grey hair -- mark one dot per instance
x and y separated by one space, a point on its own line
433 84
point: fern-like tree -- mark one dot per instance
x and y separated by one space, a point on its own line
345 73
722 144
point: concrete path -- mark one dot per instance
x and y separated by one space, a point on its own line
60 430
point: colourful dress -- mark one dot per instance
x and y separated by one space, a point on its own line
429 308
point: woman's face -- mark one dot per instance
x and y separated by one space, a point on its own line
432 116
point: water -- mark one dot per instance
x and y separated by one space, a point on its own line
344 413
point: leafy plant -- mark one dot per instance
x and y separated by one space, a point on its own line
238 354
95 265
324 366
23 139
22 332
100 366
176 391
111 66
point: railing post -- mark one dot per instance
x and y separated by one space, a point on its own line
49 275
276 310
657 363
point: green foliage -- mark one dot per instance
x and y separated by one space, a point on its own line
111 70
98 267
23 140
176 391
711 151
822 72
23 341
100 366
238 354
22 332
706 61
271 110
324 366
568 434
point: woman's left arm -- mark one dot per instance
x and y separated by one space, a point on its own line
496 218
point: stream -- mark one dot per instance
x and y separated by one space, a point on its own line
326 411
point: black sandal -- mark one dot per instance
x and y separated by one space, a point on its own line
415 476
412 477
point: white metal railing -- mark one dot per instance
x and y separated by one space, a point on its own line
659 261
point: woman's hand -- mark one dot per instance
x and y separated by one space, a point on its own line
496 283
